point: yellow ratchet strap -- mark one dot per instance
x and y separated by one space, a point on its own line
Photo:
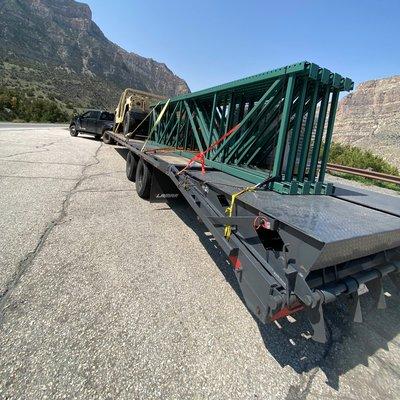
230 209
156 123
130 134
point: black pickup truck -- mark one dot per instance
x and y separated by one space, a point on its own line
92 122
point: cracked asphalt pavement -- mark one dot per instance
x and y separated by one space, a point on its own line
106 296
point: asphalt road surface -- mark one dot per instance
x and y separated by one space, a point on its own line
106 296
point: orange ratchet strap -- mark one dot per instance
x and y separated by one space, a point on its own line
200 157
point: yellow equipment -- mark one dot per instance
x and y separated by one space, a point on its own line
133 106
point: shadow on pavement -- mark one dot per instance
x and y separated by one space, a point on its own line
122 151
288 341
349 344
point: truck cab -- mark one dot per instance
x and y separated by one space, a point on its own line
92 122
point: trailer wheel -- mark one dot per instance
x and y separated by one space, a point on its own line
107 138
143 179
131 166
128 123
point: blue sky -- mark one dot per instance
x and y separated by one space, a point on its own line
211 42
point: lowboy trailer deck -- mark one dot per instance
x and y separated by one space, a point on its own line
288 252
247 158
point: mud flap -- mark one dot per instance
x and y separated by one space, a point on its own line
317 321
162 188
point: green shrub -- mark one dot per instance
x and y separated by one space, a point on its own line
351 156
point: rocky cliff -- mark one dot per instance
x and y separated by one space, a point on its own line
370 118
53 47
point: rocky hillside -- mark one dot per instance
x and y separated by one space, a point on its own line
370 118
53 49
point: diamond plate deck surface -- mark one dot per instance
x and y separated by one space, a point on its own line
378 201
348 230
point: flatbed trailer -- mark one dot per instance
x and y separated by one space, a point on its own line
289 253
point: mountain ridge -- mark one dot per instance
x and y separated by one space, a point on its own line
54 48
369 118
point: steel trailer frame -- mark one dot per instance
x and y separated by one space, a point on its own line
290 260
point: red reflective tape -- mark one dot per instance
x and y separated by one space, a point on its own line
286 311
235 262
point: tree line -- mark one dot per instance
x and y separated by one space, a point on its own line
16 105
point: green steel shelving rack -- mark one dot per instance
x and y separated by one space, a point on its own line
284 122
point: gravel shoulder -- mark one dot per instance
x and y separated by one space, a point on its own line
106 296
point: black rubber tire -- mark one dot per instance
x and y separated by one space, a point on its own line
107 139
98 137
73 131
143 179
131 166
128 123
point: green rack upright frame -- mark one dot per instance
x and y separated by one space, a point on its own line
282 121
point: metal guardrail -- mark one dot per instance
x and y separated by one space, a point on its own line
364 173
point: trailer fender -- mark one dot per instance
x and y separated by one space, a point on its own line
162 188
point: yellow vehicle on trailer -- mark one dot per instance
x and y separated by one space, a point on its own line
133 107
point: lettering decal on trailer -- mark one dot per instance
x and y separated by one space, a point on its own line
167 195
